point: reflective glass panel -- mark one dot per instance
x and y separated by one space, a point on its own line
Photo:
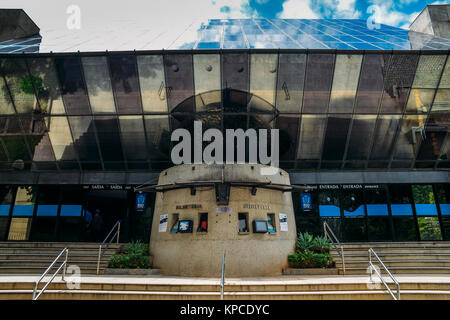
291 78
319 77
360 137
370 86
6 106
152 82
329 202
61 139
435 132
125 84
85 141
419 100
424 200
6 197
345 82
98 84
335 137
73 88
133 138
20 84
180 82
441 101
397 81
207 81
312 131
109 138
263 75
46 85
383 138
409 137
428 71
158 137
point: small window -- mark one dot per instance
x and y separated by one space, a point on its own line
243 222
271 223
203 222
175 219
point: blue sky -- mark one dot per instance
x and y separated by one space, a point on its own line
52 14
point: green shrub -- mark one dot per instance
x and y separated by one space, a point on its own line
321 245
311 252
135 256
304 242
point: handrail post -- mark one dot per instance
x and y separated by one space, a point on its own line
343 259
118 232
370 264
222 281
65 265
98 260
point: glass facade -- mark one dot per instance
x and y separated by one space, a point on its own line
115 112
362 212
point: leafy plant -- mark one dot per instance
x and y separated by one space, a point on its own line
134 256
321 245
311 252
29 84
304 242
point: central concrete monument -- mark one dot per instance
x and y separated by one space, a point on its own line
200 210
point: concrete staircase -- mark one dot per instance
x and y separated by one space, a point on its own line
35 257
166 288
399 257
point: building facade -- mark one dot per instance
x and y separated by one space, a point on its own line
362 111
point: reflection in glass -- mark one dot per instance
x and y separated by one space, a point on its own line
409 137
109 139
428 71
370 86
73 88
400 200
312 131
441 101
61 138
6 106
329 203
263 76
152 82
319 76
435 132
98 84
125 84
180 81
398 79
445 78
6 198
352 202
48 92
133 138
84 138
424 200
291 78
360 137
44 224
345 82
420 100
20 84
158 137
429 228
22 213
335 137
288 131
70 221
383 138
207 81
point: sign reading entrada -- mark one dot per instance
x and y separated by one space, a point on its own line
256 143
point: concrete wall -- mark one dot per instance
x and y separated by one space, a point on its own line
433 20
200 254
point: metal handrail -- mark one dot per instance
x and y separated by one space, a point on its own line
64 264
222 279
100 252
327 232
372 267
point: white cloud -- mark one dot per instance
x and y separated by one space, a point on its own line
299 9
386 13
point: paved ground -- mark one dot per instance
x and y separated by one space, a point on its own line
160 279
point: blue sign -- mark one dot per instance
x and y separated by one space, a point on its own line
306 201
141 201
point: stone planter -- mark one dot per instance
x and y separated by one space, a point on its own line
136 272
310 271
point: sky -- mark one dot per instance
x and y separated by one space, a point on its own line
53 14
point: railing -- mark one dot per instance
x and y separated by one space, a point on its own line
104 245
222 279
63 265
372 267
329 234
